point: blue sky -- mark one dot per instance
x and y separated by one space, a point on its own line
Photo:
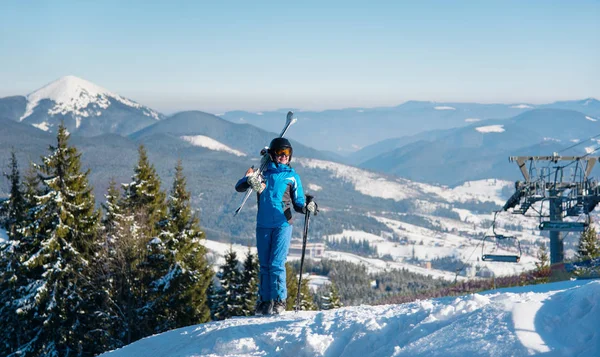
218 56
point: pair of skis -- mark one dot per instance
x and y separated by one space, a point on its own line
266 158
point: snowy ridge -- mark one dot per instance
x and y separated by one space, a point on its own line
365 182
559 319
376 185
490 129
209 143
521 106
79 97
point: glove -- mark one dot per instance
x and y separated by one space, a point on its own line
255 181
312 207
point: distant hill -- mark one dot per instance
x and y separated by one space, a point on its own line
246 138
346 131
481 150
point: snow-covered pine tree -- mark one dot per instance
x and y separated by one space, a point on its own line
182 289
332 299
589 245
15 283
213 298
13 217
57 301
144 197
228 301
250 283
12 210
145 201
123 252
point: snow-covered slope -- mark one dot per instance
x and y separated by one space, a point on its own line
383 186
210 143
559 319
85 107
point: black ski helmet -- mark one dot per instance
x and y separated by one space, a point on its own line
280 143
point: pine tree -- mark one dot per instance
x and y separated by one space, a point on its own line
184 239
140 242
250 283
332 299
13 209
123 253
13 214
144 197
181 273
542 267
228 302
306 300
291 281
589 245
59 245
542 255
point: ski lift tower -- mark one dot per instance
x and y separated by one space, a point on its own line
564 182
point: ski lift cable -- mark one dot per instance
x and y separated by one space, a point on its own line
579 143
569 164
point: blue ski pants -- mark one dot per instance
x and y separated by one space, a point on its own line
273 245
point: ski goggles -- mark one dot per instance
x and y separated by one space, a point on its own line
284 151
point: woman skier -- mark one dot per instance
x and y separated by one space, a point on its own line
278 190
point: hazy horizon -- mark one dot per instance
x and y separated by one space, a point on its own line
310 56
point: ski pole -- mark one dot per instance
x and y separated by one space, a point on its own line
304 238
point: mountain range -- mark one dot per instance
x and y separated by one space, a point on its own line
446 143
385 182
347 131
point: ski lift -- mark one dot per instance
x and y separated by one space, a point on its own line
489 256
507 258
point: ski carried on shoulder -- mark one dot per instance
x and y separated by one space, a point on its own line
266 158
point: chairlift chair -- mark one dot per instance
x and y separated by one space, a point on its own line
507 258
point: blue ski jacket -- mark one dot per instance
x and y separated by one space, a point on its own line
282 192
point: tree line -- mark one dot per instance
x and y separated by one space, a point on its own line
79 280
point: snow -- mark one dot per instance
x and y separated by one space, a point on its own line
314 187
522 106
3 235
73 95
551 139
472 120
365 182
218 250
443 107
480 190
590 149
590 118
212 144
558 319
490 129
42 126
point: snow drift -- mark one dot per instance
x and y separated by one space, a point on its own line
559 319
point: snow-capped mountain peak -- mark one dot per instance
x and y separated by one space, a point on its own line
74 94
74 99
